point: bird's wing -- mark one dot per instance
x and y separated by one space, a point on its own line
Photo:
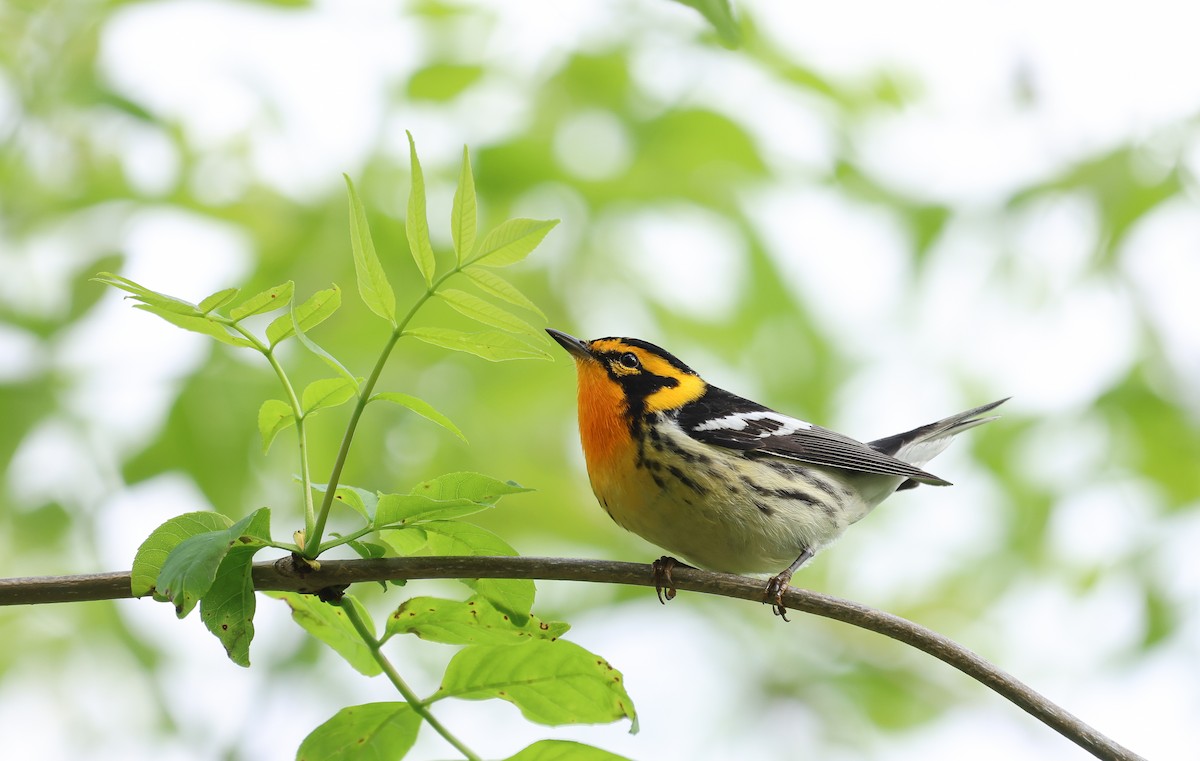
722 419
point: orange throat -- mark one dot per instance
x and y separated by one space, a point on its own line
603 426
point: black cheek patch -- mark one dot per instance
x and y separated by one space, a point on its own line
637 388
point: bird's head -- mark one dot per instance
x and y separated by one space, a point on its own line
632 376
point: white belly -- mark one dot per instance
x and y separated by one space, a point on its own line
726 512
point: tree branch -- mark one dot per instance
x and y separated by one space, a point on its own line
285 575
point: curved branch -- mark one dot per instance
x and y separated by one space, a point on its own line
286 575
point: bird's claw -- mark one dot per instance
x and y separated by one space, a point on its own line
664 585
776 586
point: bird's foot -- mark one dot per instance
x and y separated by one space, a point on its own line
664 585
776 586
779 584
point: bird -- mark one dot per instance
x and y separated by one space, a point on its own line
722 481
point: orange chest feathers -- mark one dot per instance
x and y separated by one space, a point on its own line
603 425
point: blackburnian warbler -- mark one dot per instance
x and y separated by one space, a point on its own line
722 481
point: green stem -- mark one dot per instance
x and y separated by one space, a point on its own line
297 412
286 547
398 682
302 443
325 546
312 542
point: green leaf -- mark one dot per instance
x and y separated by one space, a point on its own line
353 498
153 552
328 392
491 283
267 301
405 509
310 314
473 486
720 15
191 567
422 408
490 345
147 296
367 550
373 285
564 750
469 622
551 682
512 596
323 355
463 224
273 416
370 732
228 607
511 241
329 624
218 300
450 496
470 305
416 224
361 501
195 324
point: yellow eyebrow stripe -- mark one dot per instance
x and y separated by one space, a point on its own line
690 388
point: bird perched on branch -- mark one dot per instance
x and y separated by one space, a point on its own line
722 481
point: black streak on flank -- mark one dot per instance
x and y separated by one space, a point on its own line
683 479
833 490
692 457
792 494
764 508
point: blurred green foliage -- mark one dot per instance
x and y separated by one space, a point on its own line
62 175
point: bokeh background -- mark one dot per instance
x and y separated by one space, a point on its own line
870 214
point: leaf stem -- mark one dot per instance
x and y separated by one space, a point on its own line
312 542
301 442
398 682
297 413
429 293
346 539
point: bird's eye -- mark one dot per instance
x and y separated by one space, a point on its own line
630 360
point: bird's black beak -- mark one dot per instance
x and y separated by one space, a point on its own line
573 345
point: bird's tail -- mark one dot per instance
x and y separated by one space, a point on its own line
920 445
